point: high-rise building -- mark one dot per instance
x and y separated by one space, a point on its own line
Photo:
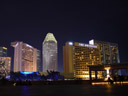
109 51
3 52
77 57
68 58
38 60
26 57
5 65
49 53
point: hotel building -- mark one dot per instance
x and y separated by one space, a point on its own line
26 57
49 48
109 51
77 57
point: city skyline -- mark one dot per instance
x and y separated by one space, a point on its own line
78 21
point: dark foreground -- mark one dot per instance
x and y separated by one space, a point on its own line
64 90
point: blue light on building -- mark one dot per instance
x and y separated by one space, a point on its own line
25 73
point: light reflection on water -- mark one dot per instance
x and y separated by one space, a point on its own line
25 91
109 88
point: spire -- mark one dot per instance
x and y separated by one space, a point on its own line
50 37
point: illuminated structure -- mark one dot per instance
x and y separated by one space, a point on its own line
26 57
5 65
77 57
109 51
107 67
49 53
68 58
3 52
38 61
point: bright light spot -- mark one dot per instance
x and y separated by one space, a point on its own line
29 46
87 45
7 77
26 72
93 46
108 73
91 42
107 69
85 71
70 43
5 48
16 45
99 83
81 44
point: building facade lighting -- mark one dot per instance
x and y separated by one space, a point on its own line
49 53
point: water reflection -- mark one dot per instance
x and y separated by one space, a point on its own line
25 91
109 88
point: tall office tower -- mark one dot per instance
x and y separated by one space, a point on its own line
77 57
26 57
50 53
3 52
5 65
109 51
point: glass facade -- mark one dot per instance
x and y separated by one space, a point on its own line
109 51
49 53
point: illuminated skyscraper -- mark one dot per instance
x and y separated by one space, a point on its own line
5 65
77 57
3 52
26 57
109 51
49 53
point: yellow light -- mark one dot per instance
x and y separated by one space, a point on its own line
80 76
107 69
4 48
99 83
124 82
85 71
106 83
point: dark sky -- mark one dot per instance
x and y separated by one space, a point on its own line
68 20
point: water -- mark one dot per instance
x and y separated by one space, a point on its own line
64 90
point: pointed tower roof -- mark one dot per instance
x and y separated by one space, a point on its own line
50 37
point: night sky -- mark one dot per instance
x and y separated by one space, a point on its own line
71 20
